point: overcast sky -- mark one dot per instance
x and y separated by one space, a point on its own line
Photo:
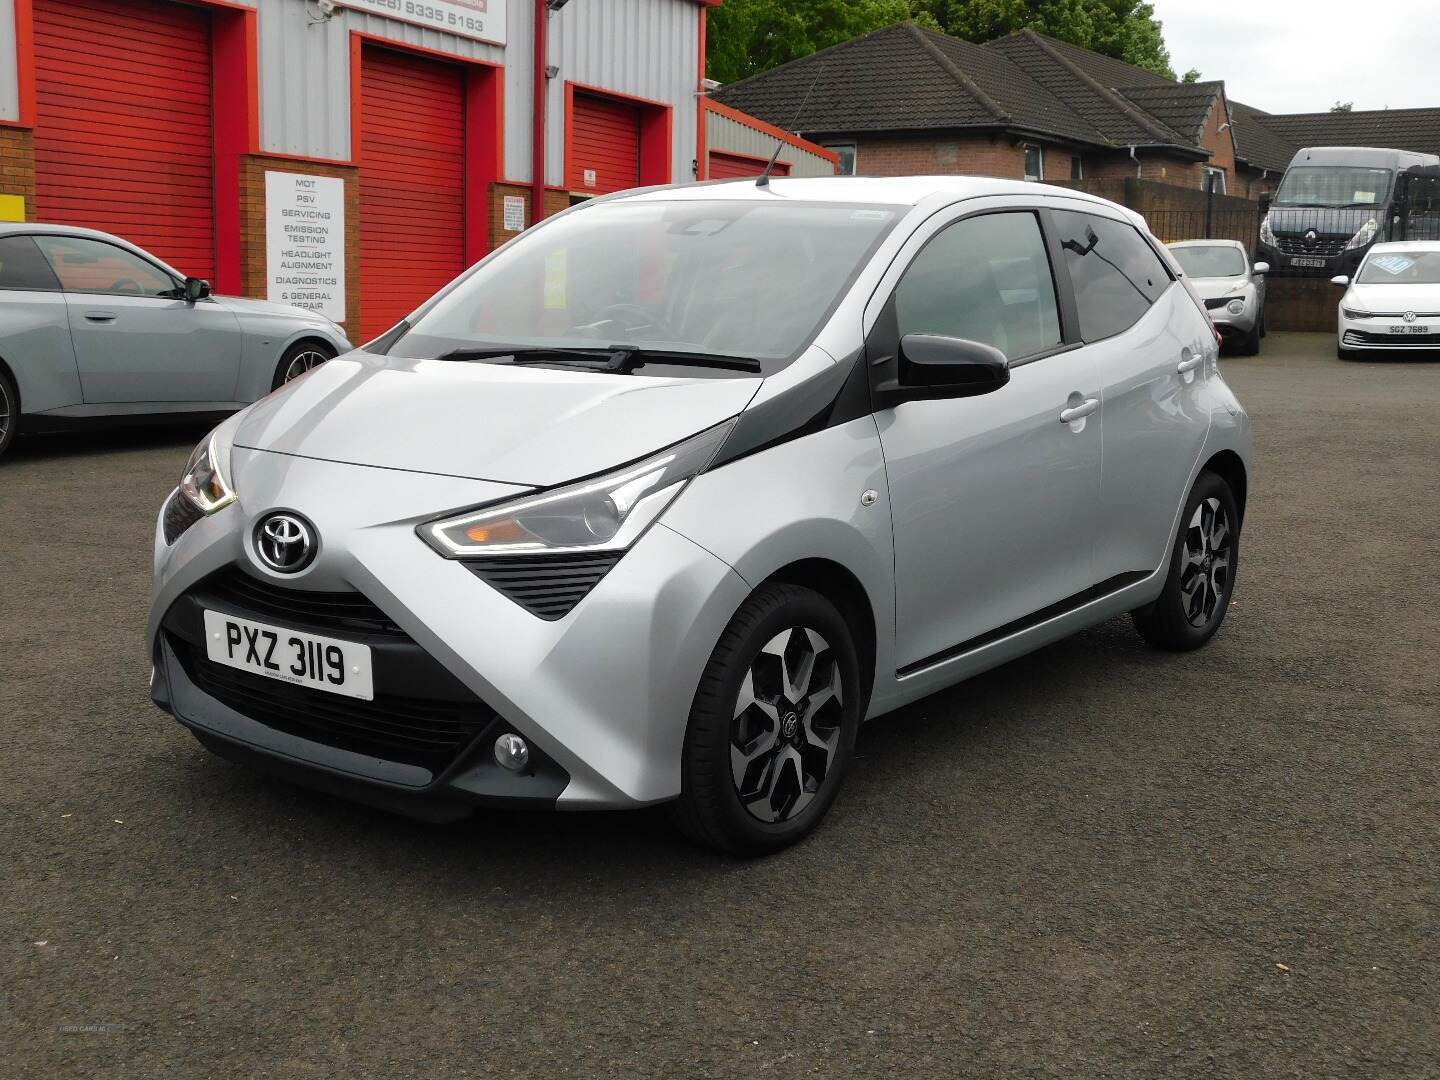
1304 55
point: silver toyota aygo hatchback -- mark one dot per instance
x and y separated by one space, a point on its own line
665 497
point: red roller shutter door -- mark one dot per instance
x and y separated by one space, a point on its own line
725 166
124 139
604 137
412 183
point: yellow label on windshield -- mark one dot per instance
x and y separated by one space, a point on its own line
556 277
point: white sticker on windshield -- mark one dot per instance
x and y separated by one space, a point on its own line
1393 264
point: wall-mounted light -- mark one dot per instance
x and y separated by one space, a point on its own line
556 5
552 70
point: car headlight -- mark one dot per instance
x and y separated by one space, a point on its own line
206 481
1364 235
605 512
1267 234
1355 313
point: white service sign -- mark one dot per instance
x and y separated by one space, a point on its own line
483 20
305 242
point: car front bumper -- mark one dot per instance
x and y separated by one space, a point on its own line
1390 334
602 695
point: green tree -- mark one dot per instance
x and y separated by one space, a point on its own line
1124 29
1191 76
1343 106
749 36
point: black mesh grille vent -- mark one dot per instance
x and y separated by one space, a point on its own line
545 585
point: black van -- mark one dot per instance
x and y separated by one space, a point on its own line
1332 204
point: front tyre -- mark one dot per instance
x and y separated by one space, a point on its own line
1202 571
9 411
298 359
773 724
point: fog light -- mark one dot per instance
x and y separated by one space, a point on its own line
1236 307
511 752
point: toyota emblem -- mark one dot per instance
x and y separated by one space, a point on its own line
1409 316
286 543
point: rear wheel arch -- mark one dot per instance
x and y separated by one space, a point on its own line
842 588
1229 467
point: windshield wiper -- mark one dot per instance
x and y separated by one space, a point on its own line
609 358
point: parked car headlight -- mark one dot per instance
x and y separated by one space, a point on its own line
1267 234
604 512
206 481
1364 235
1355 313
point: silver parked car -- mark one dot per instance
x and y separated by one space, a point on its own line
1232 287
665 497
92 327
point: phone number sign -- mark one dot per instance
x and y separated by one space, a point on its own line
483 20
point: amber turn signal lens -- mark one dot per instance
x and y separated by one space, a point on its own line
497 532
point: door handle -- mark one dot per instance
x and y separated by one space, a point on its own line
100 316
1079 412
1190 363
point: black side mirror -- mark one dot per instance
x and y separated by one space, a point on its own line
1264 202
932 366
196 289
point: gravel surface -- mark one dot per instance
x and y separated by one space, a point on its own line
1101 860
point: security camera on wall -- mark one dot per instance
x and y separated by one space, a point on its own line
326 8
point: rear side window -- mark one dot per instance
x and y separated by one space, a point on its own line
1116 274
23 267
985 279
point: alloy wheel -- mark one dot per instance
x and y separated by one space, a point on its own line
302 362
6 412
1209 556
786 727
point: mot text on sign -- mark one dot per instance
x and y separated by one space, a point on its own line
305 242
483 20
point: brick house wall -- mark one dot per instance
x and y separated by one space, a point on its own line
254 275
1221 144
929 156
17 166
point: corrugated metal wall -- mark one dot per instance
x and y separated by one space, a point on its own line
724 133
9 79
646 48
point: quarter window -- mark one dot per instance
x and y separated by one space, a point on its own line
985 279
93 266
1116 275
23 267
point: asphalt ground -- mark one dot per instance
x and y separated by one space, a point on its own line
1100 860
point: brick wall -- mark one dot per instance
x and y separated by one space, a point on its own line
962 156
1295 303
17 166
556 200
253 271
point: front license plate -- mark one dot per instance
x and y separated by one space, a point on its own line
321 663
1408 328
1307 260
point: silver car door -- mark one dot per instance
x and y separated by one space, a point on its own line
35 329
1154 350
136 339
994 498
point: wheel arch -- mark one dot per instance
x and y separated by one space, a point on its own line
1229 466
842 588
304 337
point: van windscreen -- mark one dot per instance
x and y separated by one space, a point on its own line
1333 186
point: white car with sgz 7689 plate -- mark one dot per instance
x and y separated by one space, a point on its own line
1392 304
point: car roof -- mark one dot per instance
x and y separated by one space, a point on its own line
1407 245
1207 243
886 190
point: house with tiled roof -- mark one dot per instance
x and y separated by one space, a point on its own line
906 99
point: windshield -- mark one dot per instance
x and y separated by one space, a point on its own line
739 279
1332 186
1210 261
1401 268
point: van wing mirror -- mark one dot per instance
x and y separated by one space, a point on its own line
932 366
196 289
